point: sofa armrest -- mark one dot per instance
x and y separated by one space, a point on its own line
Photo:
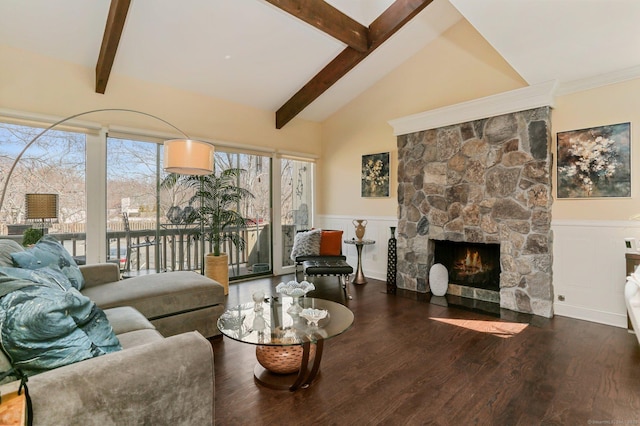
169 381
100 273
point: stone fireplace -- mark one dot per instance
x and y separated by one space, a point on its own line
483 181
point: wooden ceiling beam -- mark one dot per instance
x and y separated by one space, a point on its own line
387 24
328 19
110 40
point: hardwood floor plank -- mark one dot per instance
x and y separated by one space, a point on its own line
406 361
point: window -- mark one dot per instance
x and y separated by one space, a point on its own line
54 164
132 190
296 202
125 176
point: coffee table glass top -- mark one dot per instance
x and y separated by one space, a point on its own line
272 325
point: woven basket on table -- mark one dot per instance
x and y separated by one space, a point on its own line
282 359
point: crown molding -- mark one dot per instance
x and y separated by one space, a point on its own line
594 82
502 103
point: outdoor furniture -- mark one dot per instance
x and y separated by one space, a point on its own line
131 246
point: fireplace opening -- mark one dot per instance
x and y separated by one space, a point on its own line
470 264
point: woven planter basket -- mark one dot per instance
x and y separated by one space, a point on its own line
282 359
217 268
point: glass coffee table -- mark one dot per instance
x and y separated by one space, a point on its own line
288 347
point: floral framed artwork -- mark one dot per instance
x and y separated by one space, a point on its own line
595 162
375 175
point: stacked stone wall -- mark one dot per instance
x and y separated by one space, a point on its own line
485 181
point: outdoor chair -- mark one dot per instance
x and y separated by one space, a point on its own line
131 246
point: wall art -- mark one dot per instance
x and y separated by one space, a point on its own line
375 175
595 162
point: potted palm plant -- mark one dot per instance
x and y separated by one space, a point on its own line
217 199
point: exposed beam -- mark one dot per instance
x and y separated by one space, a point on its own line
387 24
328 19
110 40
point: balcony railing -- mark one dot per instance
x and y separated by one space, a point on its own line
179 249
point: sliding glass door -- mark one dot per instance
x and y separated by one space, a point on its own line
296 202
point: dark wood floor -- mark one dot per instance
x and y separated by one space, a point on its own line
407 361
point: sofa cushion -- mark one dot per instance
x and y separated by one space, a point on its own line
49 252
125 319
159 295
330 243
306 243
44 327
134 338
6 248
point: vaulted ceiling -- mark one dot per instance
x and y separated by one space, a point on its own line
308 58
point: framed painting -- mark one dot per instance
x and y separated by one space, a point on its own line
595 162
375 175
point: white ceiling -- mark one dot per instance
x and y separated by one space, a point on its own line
252 53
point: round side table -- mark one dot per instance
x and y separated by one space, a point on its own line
359 278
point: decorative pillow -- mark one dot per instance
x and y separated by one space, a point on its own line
49 252
331 243
6 248
44 328
306 243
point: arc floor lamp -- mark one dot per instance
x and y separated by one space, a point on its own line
182 156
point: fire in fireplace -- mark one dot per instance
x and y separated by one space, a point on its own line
470 264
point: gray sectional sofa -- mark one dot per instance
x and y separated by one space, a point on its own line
164 372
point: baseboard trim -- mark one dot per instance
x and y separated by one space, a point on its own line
601 317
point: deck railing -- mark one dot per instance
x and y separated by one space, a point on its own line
179 248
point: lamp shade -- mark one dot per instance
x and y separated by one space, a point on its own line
42 207
188 157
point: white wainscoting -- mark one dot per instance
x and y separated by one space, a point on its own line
589 269
374 257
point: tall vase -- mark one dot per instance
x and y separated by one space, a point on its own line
392 260
360 225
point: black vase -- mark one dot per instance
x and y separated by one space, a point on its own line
392 259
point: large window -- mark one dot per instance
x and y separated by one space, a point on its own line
126 178
54 164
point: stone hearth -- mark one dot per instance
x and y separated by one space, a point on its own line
485 181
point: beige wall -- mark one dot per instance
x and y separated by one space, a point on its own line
36 84
612 104
459 66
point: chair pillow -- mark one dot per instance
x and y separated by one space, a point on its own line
49 252
331 243
42 328
306 243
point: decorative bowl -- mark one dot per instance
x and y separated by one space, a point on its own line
294 288
313 315
282 359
